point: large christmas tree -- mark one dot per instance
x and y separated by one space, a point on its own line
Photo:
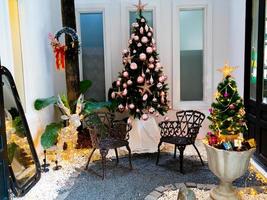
227 114
140 87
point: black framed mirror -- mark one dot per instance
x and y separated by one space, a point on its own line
23 163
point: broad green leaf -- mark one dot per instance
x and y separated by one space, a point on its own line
85 85
49 137
93 106
42 103
65 101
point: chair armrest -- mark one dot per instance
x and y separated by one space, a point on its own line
193 132
169 128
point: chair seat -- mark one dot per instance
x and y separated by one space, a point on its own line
178 140
112 143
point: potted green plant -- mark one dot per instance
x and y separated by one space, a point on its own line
227 151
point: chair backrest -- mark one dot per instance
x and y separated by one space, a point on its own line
190 121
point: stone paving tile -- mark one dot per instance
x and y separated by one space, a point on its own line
191 185
169 187
155 194
179 185
160 189
149 197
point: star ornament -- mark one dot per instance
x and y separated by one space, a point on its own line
145 88
128 59
227 70
140 7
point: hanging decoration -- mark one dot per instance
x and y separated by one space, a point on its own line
60 49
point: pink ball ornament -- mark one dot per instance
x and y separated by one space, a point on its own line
125 51
149 50
139 44
145 97
131 106
151 59
142 30
124 85
144 40
125 91
121 107
151 66
133 66
146 28
144 116
161 79
232 106
118 83
159 85
137 110
149 34
129 82
151 110
140 79
136 38
125 74
113 95
142 56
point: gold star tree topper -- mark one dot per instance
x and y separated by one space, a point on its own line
140 7
227 70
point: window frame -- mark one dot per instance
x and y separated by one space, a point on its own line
207 52
86 8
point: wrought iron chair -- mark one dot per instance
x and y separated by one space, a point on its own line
107 133
181 132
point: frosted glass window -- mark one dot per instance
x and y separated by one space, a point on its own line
147 14
92 44
191 54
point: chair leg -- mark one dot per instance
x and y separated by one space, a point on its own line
117 157
157 162
174 155
181 149
87 164
103 153
198 154
130 156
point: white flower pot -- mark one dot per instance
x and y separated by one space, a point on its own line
227 166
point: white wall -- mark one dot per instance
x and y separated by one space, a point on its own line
37 19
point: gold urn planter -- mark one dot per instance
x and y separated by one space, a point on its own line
227 166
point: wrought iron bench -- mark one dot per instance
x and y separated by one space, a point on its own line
181 133
107 133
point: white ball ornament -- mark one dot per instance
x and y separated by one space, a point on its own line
151 66
140 79
142 56
147 70
129 82
135 24
125 74
149 34
139 44
131 106
154 99
145 97
143 20
149 50
144 40
133 66
137 110
134 51
144 116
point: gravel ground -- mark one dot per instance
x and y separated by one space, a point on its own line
73 182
